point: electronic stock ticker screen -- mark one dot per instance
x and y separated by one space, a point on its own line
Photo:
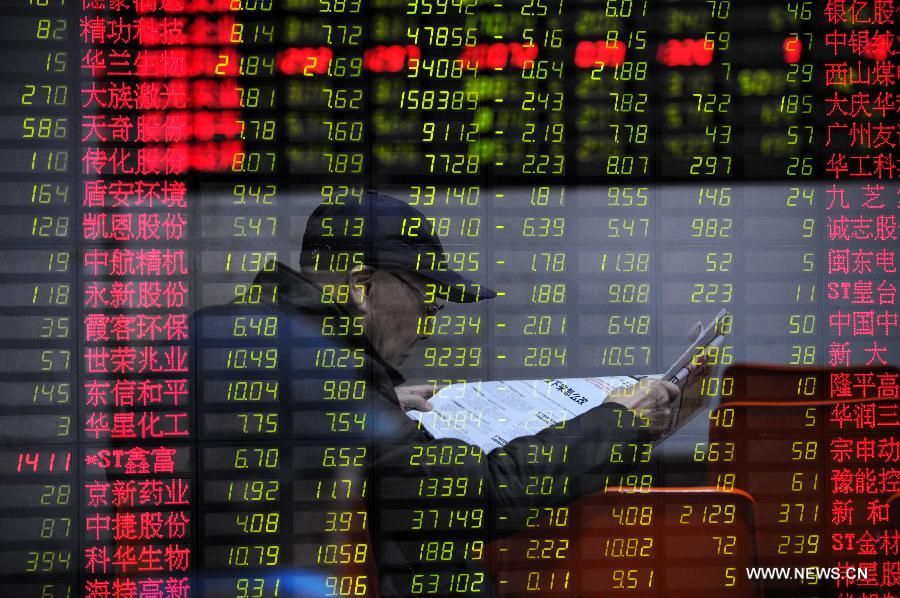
178 419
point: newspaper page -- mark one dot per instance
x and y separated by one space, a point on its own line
491 414
691 399
705 351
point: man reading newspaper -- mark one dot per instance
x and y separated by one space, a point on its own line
490 414
376 482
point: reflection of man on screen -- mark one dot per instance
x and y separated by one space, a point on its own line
370 271
396 286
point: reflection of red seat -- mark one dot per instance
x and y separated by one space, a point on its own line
768 496
646 542
773 435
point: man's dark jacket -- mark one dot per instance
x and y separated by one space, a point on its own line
365 490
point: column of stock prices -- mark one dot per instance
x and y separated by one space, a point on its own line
275 273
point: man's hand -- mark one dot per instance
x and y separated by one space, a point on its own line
650 400
415 396
693 385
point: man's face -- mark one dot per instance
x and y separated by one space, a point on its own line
397 305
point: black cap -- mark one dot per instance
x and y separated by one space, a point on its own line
389 233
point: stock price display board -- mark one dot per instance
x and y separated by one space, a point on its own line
194 405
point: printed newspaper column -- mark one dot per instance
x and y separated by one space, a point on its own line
860 112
